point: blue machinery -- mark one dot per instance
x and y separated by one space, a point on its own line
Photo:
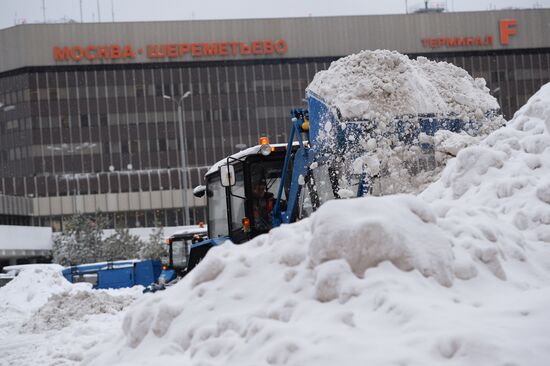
312 149
316 150
115 274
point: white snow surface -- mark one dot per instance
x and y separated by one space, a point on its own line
45 320
458 275
381 84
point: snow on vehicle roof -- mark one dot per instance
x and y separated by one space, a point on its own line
254 150
189 230
381 84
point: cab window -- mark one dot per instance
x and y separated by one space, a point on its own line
237 201
217 213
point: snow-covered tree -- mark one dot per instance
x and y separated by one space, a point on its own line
121 245
80 241
155 247
62 249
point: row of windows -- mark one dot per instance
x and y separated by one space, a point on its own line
142 90
139 119
128 219
15 220
69 150
141 82
159 90
118 180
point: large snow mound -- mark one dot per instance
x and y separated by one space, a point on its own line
458 275
504 179
382 84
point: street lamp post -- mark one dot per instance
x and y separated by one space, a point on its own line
183 153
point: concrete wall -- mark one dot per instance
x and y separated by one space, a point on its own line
32 44
24 241
113 202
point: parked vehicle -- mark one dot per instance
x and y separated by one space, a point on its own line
116 274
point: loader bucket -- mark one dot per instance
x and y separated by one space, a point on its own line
319 115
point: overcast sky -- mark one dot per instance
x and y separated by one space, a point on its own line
30 11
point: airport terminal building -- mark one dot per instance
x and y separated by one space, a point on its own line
88 112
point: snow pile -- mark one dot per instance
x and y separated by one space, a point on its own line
45 320
65 307
363 237
459 275
494 197
28 291
32 287
388 107
380 85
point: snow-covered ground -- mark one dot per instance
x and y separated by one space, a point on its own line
457 275
45 320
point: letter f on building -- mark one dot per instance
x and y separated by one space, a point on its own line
507 29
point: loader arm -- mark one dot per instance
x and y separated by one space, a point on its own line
303 158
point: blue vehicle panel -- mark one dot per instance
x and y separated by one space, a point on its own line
115 278
115 274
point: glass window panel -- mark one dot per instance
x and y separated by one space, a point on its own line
217 213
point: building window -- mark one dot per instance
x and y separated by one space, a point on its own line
103 120
64 121
84 120
162 144
53 93
140 90
158 90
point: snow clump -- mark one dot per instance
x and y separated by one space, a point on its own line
363 236
380 85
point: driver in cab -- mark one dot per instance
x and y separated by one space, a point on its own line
263 203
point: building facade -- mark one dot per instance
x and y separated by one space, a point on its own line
88 115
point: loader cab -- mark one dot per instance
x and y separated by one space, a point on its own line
179 245
241 191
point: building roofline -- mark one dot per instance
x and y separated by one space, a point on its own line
93 24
